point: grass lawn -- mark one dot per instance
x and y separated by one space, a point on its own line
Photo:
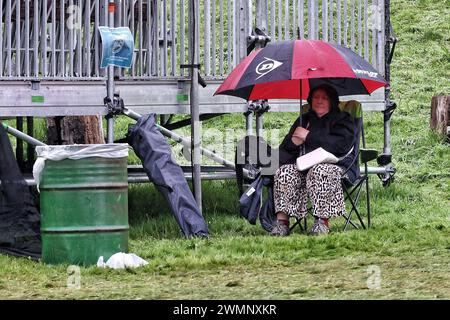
405 255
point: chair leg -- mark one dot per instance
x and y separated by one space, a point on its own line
368 201
347 218
353 202
360 219
349 221
298 222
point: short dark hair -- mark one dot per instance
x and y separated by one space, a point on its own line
330 91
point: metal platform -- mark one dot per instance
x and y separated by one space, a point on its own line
162 96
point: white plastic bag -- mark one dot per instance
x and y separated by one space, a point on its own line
122 260
57 153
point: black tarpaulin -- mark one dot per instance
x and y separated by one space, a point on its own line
156 156
19 217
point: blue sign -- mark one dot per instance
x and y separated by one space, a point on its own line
118 47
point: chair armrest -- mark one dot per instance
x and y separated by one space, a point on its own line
368 155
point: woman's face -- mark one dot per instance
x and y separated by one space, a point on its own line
321 104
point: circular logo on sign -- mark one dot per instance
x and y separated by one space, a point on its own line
118 46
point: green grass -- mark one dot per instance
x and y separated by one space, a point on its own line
409 241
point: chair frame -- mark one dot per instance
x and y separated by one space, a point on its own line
352 192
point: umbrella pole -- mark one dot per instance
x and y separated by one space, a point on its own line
302 147
301 102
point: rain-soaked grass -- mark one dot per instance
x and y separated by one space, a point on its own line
405 255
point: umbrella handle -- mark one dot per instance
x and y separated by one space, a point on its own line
302 150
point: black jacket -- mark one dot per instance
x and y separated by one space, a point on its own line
334 132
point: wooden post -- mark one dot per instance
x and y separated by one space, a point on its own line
440 114
75 130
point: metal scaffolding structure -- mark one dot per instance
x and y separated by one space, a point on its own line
50 51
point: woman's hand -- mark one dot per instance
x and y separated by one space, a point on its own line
299 136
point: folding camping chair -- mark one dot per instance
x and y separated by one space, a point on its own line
353 189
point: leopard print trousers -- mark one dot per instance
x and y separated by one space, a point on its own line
321 184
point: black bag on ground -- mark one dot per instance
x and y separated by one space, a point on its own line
156 156
254 154
19 217
267 215
250 203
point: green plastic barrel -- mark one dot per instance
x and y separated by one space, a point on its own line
84 209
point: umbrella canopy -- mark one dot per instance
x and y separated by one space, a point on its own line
288 69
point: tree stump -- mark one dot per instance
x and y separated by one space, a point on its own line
440 114
75 130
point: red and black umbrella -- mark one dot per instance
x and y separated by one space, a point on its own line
288 69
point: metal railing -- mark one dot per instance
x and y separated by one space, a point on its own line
59 39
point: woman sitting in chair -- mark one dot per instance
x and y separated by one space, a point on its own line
326 126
